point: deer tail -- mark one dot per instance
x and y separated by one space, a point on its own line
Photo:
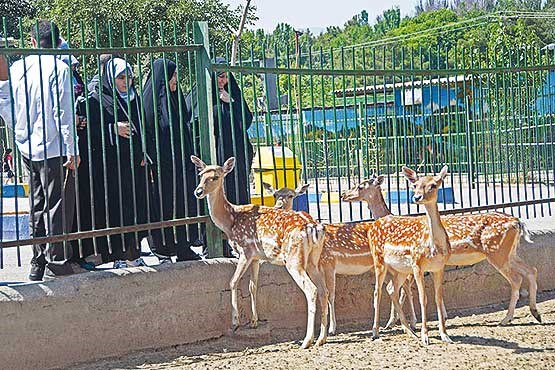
314 242
524 232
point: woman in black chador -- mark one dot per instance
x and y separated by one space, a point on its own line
232 119
170 143
231 139
118 163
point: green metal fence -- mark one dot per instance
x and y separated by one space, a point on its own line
328 118
110 161
351 112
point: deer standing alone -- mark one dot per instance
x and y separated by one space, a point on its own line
493 236
405 245
346 250
259 234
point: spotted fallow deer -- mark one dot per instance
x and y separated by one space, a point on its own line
493 236
272 235
346 249
405 245
284 196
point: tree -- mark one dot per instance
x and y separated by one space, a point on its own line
12 10
431 5
142 16
388 21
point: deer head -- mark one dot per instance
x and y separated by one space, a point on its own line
284 196
368 190
211 177
425 187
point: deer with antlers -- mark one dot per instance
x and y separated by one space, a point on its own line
493 236
273 235
405 245
346 250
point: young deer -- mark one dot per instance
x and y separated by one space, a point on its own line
346 249
284 197
370 191
493 236
260 234
405 245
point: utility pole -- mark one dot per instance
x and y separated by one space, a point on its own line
237 34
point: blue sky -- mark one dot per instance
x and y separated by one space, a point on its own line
319 13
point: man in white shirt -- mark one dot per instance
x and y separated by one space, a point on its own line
36 103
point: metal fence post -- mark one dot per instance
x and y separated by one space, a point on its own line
206 122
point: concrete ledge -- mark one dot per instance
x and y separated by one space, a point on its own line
111 313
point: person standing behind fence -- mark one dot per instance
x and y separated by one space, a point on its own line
170 143
8 165
44 131
118 162
232 118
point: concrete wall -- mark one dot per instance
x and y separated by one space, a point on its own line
103 314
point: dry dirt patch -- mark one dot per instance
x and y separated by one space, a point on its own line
479 344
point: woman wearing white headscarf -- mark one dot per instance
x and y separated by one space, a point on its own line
117 163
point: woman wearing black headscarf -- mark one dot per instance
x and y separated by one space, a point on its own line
118 162
167 121
232 119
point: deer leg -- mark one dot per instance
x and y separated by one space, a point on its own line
438 289
253 288
393 316
318 278
515 279
419 278
531 274
444 310
406 292
380 272
242 266
408 288
329 276
310 291
398 280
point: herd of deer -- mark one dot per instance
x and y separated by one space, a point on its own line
404 246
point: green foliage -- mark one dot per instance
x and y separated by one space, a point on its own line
12 10
139 17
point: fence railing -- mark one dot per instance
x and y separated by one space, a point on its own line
327 119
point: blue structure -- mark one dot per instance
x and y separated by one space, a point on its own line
412 101
545 103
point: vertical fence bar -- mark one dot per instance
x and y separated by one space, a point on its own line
206 120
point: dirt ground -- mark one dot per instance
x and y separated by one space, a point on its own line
479 344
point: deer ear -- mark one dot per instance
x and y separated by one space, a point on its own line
269 188
411 175
301 189
229 165
441 175
379 180
198 163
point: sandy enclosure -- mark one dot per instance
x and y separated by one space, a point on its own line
479 344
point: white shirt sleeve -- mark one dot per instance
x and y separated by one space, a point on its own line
63 113
6 103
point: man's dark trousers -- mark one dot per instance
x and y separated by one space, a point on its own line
52 205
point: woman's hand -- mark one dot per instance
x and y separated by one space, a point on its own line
123 129
81 122
224 96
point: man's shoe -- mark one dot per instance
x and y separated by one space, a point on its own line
37 270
